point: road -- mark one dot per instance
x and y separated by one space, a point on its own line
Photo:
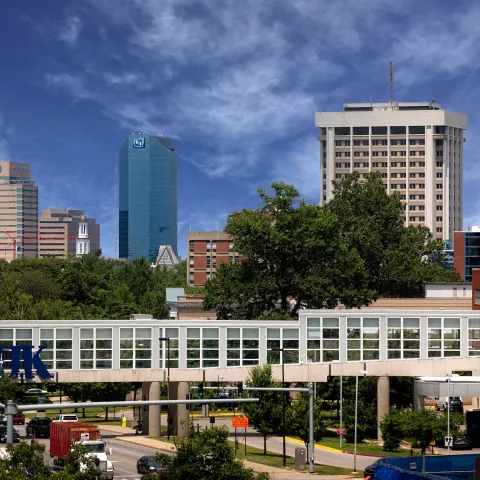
124 455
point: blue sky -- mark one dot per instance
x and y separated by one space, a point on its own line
234 83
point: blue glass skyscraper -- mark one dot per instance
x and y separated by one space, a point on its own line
147 196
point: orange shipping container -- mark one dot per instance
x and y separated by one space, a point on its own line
64 434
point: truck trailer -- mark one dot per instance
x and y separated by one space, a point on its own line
65 435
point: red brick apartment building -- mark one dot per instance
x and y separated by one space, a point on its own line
206 251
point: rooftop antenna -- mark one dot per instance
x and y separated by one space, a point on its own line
392 80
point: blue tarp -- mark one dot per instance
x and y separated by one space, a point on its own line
451 467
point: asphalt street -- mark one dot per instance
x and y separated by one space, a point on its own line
124 455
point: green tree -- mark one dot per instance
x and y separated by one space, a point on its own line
393 427
289 249
414 261
298 422
10 389
367 408
424 426
77 392
206 454
27 458
266 414
109 392
78 465
398 259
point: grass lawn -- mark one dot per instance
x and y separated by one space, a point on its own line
276 460
364 448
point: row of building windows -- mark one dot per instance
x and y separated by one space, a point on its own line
394 130
242 344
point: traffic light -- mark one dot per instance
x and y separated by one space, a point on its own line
200 390
240 389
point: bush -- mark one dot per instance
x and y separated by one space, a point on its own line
393 427
263 476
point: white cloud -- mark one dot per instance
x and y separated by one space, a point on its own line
72 84
71 30
300 166
439 44
126 78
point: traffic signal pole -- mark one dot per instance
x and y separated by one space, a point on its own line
309 390
11 408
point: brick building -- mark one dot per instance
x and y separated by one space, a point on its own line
206 251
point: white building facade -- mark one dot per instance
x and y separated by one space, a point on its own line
83 242
417 148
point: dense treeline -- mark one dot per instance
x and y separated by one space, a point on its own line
89 287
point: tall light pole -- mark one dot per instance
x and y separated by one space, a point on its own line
341 400
167 339
361 372
448 411
283 405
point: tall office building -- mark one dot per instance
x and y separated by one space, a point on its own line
147 197
417 147
18 211
59 232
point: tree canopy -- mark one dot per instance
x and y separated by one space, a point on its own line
204 454
89 287
289 250
350 251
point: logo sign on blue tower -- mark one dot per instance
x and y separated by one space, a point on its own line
30 361
139 142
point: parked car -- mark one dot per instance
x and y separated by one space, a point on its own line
36 390
3 435
462 443
148 464
66 417
456 404
19 419
39 427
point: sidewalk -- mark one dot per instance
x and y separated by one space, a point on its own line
128 435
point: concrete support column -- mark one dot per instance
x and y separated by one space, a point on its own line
145 417
154 411
383 402
418 400
179 413
475 400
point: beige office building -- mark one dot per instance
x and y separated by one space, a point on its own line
58 231
417 147
18 211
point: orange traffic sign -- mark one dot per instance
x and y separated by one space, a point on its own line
240 422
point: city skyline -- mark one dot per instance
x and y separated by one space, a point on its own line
236 93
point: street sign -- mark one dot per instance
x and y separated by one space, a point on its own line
432 443
341 431
212 420
449 441
239 422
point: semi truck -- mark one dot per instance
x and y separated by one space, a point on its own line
65 435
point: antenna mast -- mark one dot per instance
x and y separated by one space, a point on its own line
392 80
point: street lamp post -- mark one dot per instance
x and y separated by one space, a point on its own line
361 372
167 339
341 400
283 405
448 411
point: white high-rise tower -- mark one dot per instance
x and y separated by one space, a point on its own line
83 242
417 148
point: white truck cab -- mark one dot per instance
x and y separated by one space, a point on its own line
96 450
